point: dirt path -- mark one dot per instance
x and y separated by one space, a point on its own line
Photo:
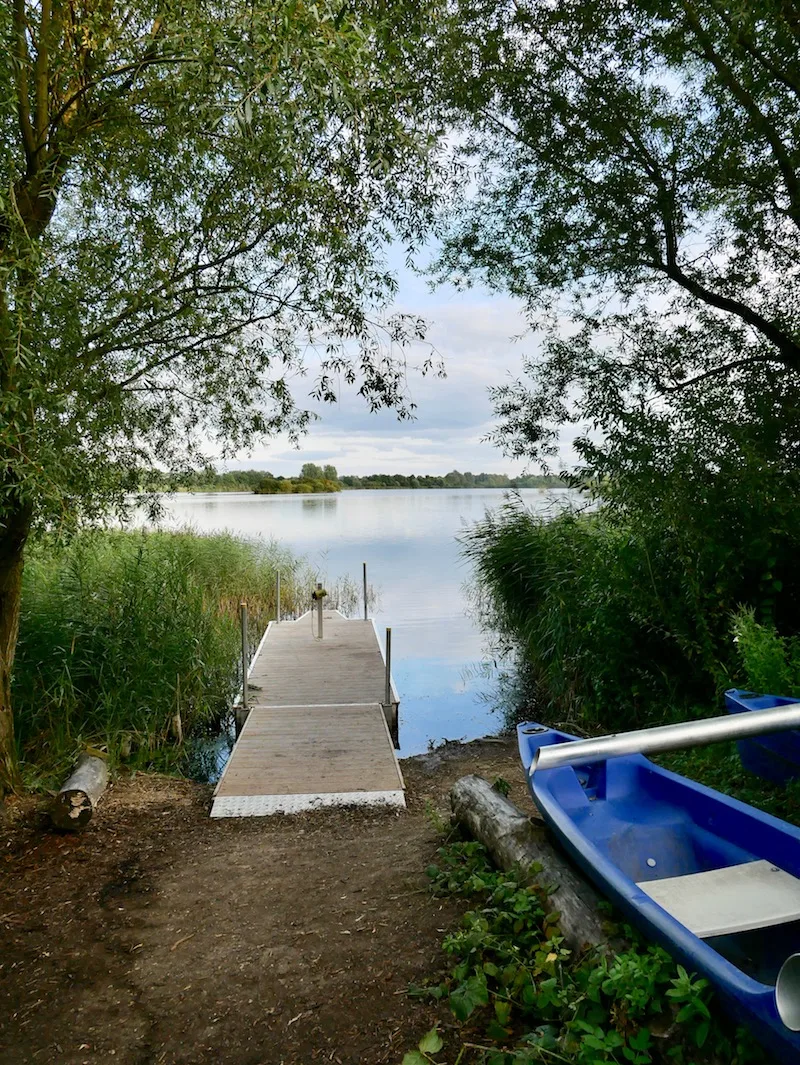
160 936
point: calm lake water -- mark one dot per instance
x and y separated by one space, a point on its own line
408 540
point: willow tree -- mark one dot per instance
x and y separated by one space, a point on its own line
639 189
634 179
194 196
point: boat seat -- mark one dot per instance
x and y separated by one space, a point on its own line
734 899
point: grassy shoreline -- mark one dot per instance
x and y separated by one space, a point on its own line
130 642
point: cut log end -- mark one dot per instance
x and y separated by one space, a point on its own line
75 803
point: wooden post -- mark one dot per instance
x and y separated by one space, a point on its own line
366 615
388 698
277 595
245 653
319 612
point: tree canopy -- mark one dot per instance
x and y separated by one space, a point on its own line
639 189
193 194
193 205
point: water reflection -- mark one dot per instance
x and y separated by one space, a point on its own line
408 540
320 502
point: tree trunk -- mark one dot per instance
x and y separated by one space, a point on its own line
13 536
512 840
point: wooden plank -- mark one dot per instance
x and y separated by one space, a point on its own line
311 750
316 733
294 667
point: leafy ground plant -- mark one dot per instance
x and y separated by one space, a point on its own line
519 995
771 663
431 1043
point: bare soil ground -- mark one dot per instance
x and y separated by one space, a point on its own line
159 936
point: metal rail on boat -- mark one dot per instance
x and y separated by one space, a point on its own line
668 737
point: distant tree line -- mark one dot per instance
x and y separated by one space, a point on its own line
454 479
315 478
312 478
232 481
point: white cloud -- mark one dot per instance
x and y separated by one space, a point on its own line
478 337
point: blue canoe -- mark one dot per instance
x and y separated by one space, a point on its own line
713 880
775 757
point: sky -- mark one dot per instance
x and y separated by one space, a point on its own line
474 333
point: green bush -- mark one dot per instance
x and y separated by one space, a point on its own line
599 633
770 663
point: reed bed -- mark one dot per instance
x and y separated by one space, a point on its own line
130 642
597 620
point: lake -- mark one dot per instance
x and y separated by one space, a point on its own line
408 540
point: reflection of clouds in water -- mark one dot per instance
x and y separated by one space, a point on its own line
371 518
450 640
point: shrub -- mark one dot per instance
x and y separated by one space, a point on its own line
770 663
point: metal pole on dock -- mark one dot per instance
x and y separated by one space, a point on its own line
366 615
245 653
388 697
319 611
277 595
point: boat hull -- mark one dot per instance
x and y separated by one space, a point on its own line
775 757
627 822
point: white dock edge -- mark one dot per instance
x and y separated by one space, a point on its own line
264 805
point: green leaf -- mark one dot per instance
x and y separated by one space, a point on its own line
466 998
431 1042
640 1040
701 1033
502 1011
413 1057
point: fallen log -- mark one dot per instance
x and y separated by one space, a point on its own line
513 840
76 801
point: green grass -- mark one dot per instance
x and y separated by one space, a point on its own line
122 632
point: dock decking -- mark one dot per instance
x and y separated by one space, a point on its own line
316 734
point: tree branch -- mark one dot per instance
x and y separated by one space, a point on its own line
191 274
41 74
729 79
21 79
749 45
166 360
136 67
788 348
724 368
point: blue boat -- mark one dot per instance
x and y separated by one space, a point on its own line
715 881
775 757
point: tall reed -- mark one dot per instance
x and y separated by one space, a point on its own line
131 640
596 617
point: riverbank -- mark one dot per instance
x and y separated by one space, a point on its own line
160 936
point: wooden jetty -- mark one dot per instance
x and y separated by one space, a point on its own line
318 728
